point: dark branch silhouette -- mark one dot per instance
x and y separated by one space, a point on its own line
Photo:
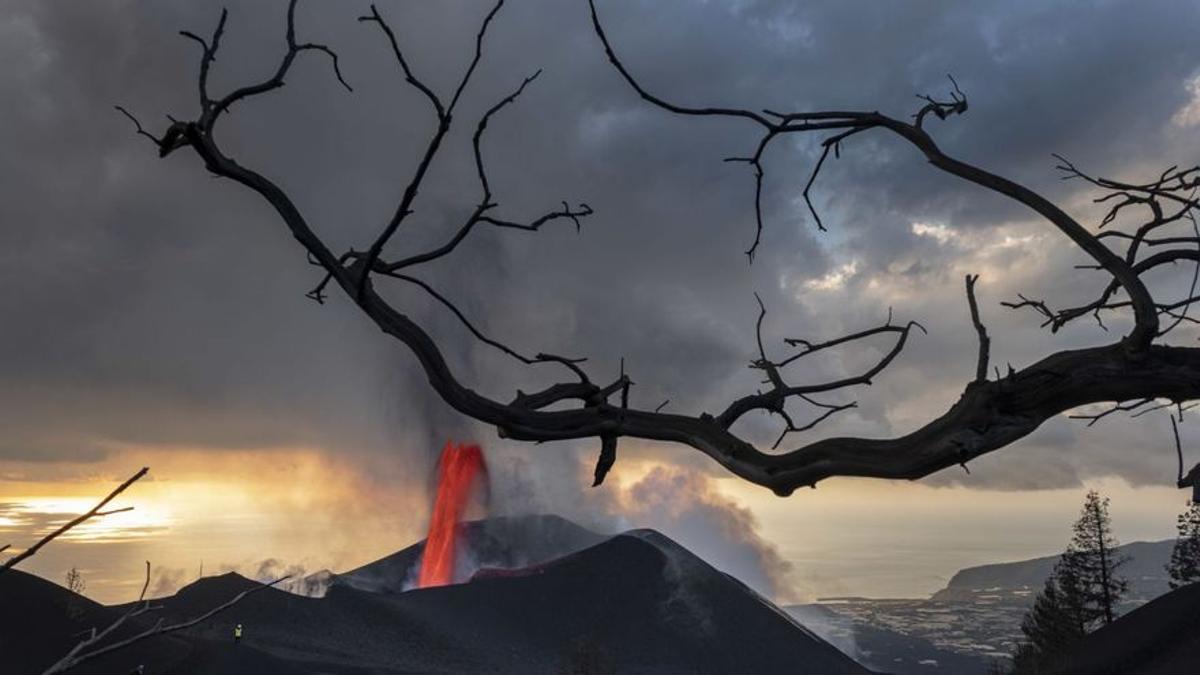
96 512
1192 479
985 343
1169 200
991 414
93 645
857 121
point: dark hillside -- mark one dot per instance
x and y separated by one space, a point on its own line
636 602
1161 637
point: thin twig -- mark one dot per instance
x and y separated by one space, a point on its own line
96 512
78 654
984 341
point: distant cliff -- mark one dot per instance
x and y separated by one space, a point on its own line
1145 571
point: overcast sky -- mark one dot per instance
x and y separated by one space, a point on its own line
150 308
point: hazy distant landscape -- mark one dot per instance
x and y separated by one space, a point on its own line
972 622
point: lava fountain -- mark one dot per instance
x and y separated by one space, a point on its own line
458 469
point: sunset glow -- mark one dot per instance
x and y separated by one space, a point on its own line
40 515
297 507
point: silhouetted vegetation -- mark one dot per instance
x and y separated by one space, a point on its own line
1081 594
75 582
1184 567
77 586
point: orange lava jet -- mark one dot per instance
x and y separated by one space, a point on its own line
458 469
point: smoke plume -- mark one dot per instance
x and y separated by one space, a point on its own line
682 502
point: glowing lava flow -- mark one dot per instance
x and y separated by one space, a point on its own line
457 471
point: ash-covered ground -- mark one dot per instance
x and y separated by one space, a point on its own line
634 602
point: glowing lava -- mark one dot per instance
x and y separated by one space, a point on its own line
458 469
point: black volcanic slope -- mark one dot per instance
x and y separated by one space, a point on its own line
40 622
637 602
1161 637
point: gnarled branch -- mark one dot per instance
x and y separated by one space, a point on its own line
988 416
1168 200
1146 327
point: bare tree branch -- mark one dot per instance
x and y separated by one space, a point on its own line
608 457
90 647
71 659
830 409
409 77
96 512
773 400
1168 200
1146 327
528 360
957 105
1116 408
1178 405
212 112
486 203
1178 449
208 55
834 142
1192 479
984 341
404 209
988 416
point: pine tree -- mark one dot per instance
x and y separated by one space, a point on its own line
1184 567
1054 623
1083 590
1025 660
1072 599
1092 559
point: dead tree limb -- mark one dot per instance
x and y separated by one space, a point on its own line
1192 479
777 124
1166 202
988 416
985 342
90 648
96 512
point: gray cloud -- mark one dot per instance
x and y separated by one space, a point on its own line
150 304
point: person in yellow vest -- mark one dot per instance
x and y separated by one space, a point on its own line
237 633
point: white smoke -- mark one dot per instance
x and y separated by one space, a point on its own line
299 580
683 503
166 581
837 630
